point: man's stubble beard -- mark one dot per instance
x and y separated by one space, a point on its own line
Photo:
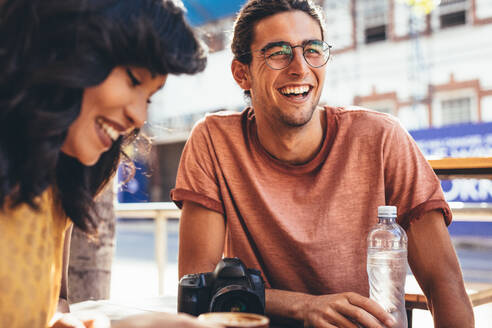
297 122
286 119
301 121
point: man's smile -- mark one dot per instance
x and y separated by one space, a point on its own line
296 91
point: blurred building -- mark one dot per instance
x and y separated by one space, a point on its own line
430 71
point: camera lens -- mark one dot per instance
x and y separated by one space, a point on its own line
235 305
238 300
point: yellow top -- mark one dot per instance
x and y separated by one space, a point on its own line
31 252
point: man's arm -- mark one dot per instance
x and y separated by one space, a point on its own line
201 244
434 263
201 239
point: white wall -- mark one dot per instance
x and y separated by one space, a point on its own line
487 109
208 91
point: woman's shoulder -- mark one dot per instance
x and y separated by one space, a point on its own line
31 240
45 208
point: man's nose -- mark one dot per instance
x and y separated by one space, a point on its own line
298 65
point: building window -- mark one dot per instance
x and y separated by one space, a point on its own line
453 19
452 13
375 34
373 16
455 111
339 14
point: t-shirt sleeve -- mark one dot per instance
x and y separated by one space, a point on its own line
196 179
410 182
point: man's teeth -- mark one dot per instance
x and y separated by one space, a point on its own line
110 131
295 90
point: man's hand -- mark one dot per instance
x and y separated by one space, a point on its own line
345 310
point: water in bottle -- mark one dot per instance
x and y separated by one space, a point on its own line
387 264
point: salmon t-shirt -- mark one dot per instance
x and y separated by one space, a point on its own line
305 226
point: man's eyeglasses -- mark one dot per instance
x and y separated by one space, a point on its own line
278 55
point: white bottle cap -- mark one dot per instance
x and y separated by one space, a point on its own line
387 211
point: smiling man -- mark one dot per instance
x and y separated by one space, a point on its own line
292 188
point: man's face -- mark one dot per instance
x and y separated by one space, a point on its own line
290 95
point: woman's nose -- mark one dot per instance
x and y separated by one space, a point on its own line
136 113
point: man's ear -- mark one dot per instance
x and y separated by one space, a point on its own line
240 72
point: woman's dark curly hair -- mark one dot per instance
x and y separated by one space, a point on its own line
50 51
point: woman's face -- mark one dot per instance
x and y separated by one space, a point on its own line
115 107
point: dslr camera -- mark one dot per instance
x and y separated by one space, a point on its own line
231 287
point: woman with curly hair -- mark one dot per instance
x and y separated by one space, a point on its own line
76 80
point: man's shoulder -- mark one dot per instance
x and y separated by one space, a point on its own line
364 116
223 117
224 123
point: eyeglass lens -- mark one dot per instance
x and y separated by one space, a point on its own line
279 56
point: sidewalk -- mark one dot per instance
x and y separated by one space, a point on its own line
138 279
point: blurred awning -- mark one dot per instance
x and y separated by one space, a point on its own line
203 11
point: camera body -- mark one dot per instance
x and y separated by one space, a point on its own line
231 287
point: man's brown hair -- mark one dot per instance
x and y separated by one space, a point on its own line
255 10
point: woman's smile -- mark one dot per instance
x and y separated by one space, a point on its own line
109 110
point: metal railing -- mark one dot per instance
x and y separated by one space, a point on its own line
161 212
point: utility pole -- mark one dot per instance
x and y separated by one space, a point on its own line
419 68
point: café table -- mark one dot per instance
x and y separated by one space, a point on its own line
459 168
479 293
119 309
116 310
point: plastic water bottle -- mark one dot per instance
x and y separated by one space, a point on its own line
387 264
